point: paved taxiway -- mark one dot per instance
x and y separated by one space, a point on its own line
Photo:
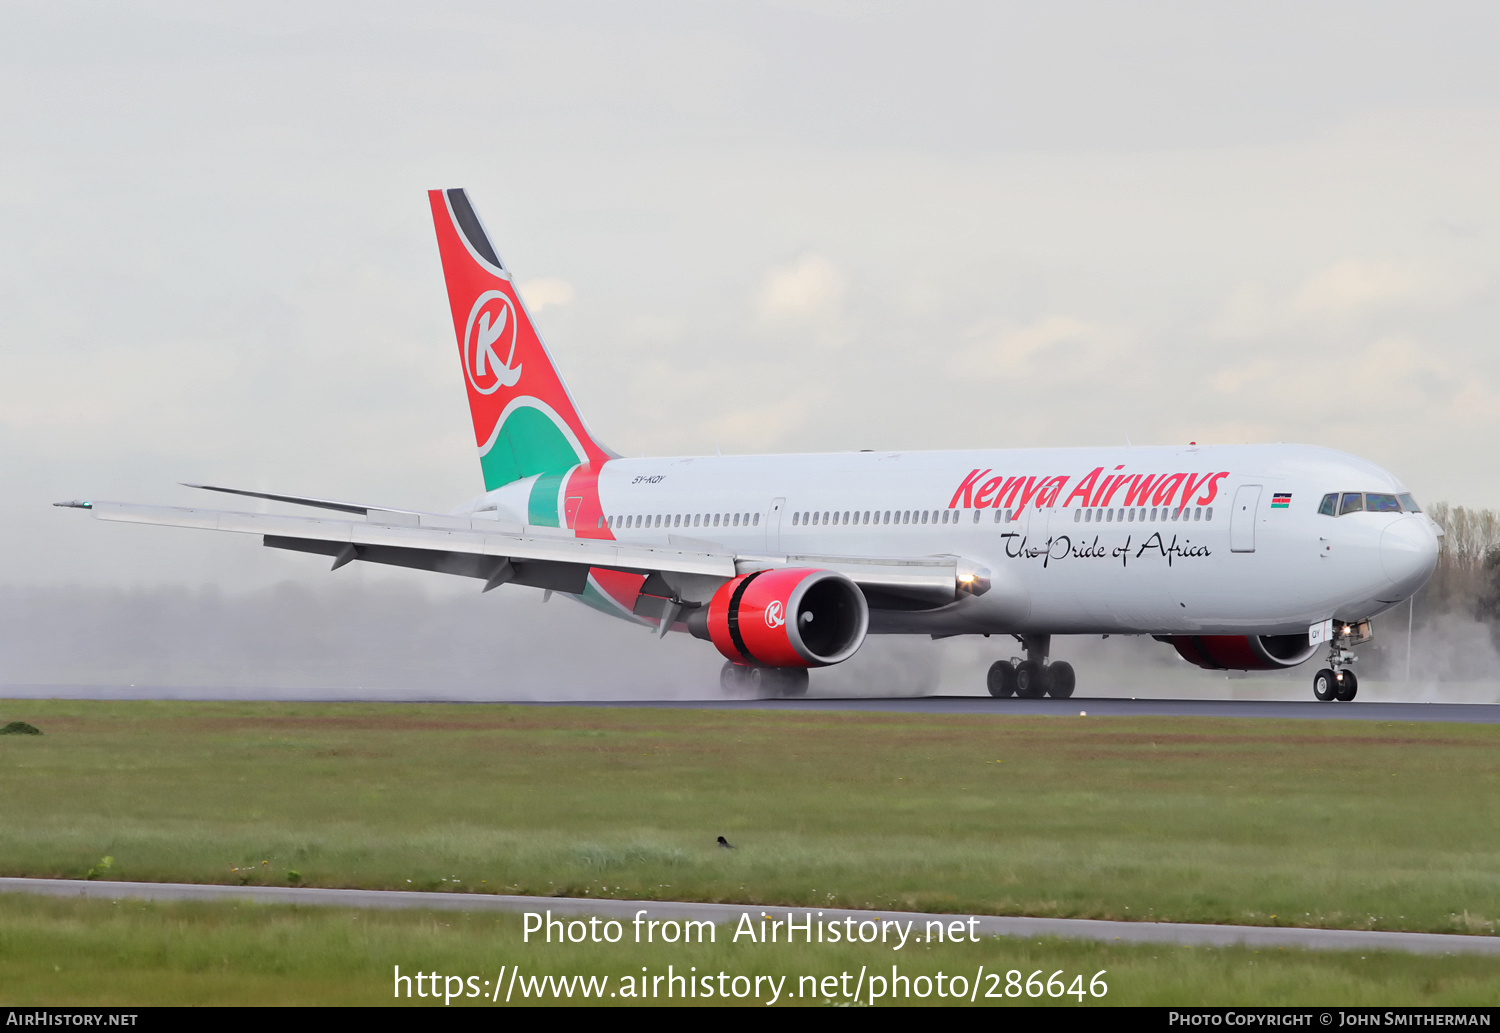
625 910
1462 713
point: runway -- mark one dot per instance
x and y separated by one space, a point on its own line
1460 713
1099 706
626 910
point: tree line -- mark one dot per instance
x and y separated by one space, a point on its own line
1467 579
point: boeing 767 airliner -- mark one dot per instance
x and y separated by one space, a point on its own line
1243 557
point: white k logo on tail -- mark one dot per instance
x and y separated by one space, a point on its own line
490 319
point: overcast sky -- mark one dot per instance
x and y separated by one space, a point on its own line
757 227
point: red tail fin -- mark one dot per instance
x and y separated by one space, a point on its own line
525 422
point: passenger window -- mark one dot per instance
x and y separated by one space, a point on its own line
976 516
1354 502
1077 516
757 520
1153 514
1382 504
1198 514
1409 504
1208 514
794 519
1330 505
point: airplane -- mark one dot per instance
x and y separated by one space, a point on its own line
1241 557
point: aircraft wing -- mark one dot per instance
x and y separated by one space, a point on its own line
500 553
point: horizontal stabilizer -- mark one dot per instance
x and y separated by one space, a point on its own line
297 500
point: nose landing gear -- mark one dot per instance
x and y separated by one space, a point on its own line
1336 681
1033 677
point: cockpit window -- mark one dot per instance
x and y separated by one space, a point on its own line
1366 502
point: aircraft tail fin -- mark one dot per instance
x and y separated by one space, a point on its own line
525 422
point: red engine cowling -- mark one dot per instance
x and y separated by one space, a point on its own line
1242 652
788 618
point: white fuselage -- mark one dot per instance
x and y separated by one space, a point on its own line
1079 545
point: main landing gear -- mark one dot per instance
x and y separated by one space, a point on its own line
1336 681
751 680
1033 677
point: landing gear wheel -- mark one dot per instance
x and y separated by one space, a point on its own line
1325 685
1060 680
1001 681
1348 686
1031 680
785 681
734 678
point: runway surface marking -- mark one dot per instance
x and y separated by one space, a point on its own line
989 925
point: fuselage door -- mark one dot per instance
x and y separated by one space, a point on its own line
773 525
1242 518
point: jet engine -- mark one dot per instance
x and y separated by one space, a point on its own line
1242 652
793 617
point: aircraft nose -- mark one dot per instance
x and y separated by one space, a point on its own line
1409 553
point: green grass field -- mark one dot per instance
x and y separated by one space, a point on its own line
1315 823
86 952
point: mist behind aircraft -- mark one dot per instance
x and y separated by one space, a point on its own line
417 639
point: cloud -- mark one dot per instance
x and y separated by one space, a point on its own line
1337 293
1080 340
1351 287
811 288
546 293
753 426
